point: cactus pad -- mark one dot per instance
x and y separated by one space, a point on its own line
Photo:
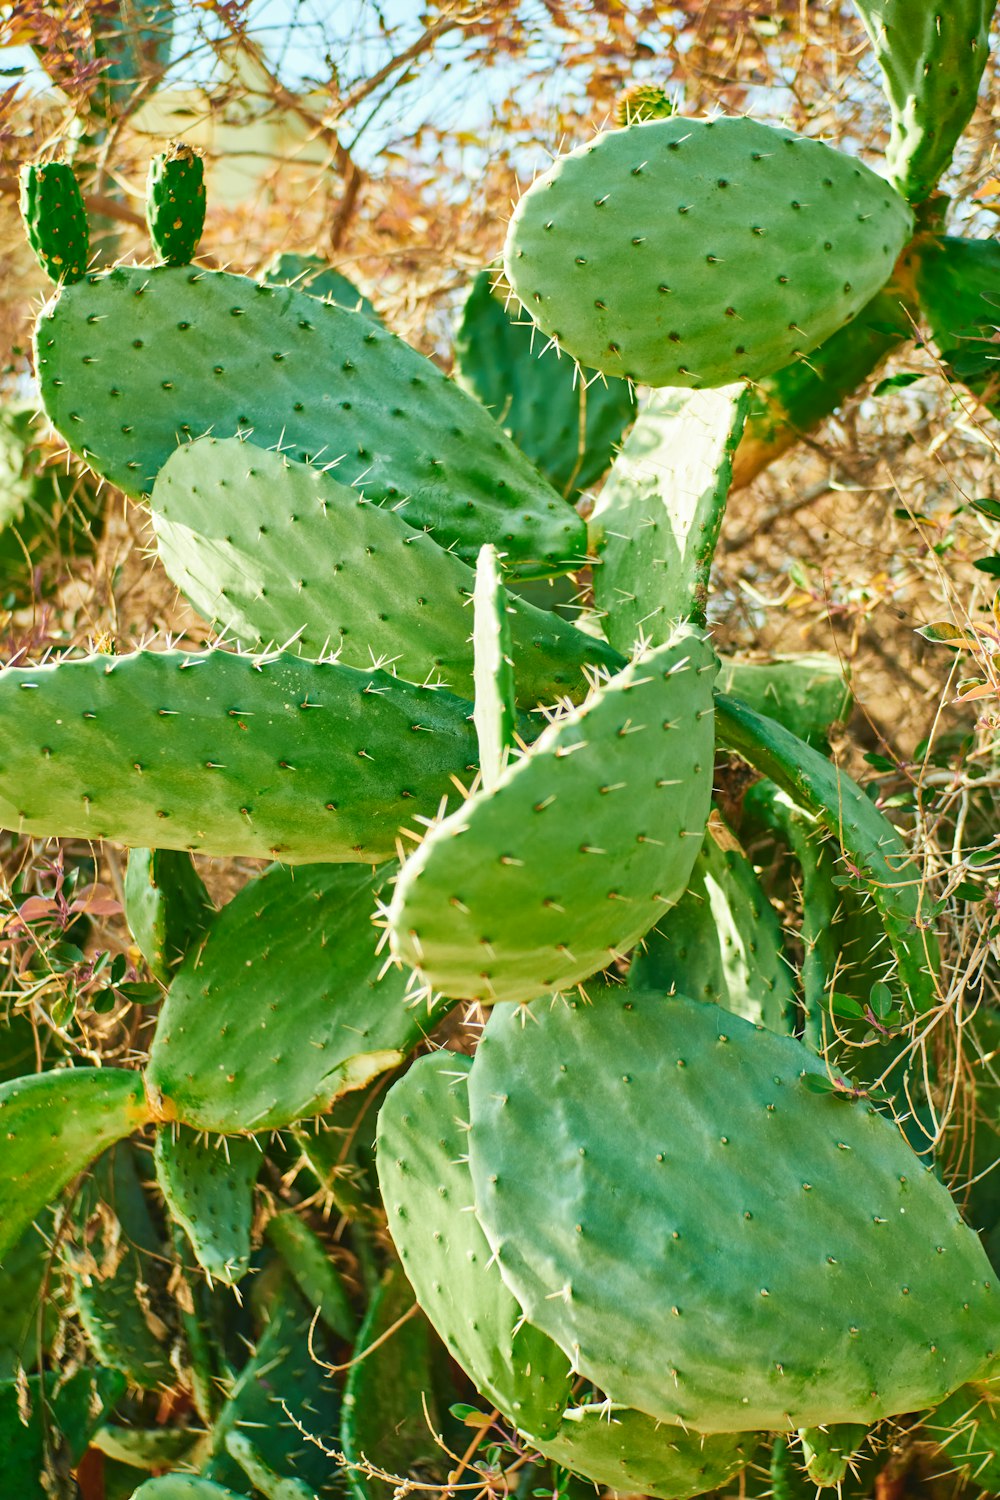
133 361
52 1125
635 1455
312 274
208 1187
850 1289
567 421
722 941
274 551
175 203
390 1413
657 519
282 1010
55 220
873 850
828 1452
806 693
227 754
495 714
166 906
932 57
581 846
424 1176
698 252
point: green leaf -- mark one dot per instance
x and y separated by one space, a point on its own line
846 1005
896 382
989 565
818 1083
880 1000
987 507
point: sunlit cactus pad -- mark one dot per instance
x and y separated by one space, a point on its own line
133 361
697 252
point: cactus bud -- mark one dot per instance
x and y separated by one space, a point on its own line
55 219
644 101
175 203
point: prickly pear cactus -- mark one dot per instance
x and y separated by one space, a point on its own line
175 203
55 219
695 252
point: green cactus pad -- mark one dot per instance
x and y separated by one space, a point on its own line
692 252
136 360
116 1248
184 1487
276 552
722 941
282 1388
828 1452
958 283
635 1455
41 1434
313 1272
166 906
657 519
495 687
850 1288
55 220
175 203
208 1187
227 754
312 274
568 421
51 1126
580 848
45 510
282 1010
424 1176
149 1447
806 693
872 847
21 1295
967 1428
932 58
390 1412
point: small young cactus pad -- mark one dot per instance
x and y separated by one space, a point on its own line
208 1185
582 844
698 252
175 203
55 219
850 1289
